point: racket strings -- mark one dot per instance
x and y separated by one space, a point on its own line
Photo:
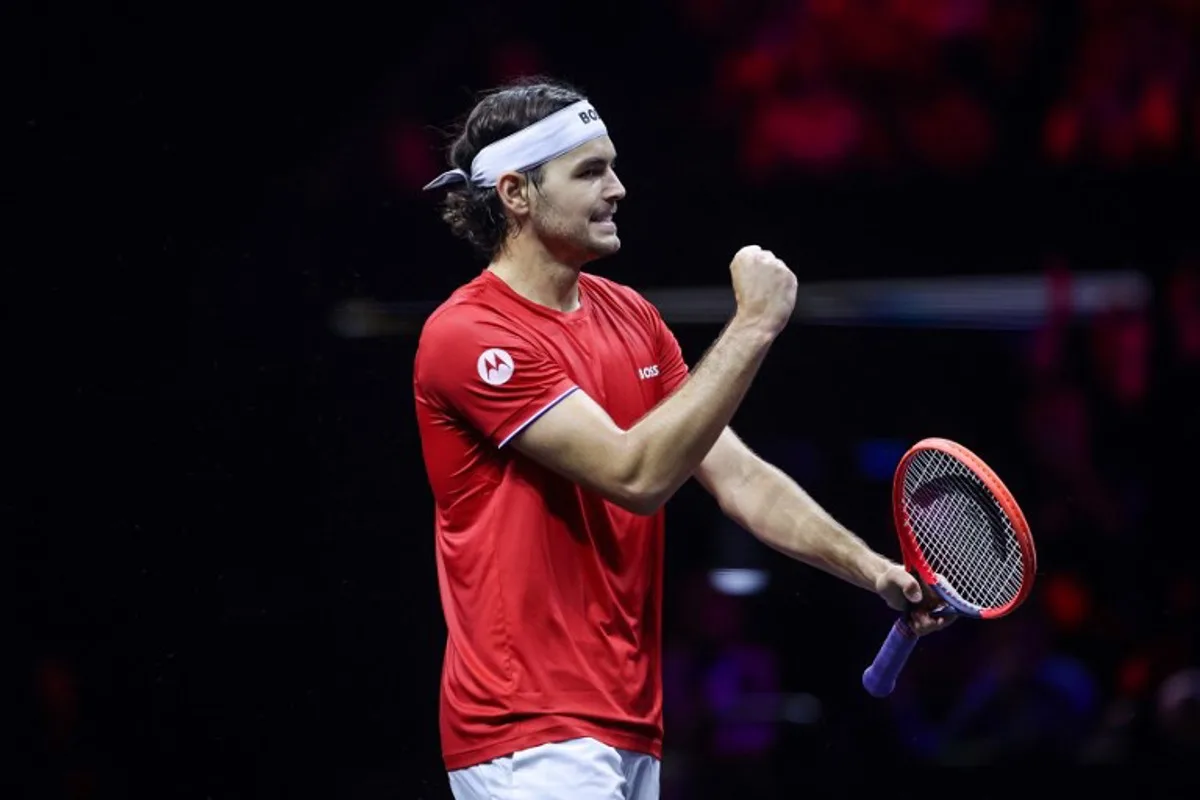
969 561
960 552
969 547
962 530
975 561
996 585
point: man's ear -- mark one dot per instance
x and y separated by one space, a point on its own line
513 189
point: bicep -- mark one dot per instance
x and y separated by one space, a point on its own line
577 439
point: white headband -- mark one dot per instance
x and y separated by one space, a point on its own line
544 140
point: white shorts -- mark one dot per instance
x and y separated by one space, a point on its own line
578 769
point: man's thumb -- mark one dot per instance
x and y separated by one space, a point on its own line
912 590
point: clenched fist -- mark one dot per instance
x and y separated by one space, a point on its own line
764 287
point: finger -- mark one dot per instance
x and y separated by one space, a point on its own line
912 589
924 622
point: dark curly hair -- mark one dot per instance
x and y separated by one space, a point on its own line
474 212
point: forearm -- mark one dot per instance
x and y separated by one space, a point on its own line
782 515
669 443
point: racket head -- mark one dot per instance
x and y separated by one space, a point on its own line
961 531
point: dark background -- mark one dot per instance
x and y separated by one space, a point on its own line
224 565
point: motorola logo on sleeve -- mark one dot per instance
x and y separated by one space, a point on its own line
495 366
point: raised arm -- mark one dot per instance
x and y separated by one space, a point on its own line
642 467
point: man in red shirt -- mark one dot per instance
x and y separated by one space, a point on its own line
557 416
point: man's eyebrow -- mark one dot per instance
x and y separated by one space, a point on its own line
595 161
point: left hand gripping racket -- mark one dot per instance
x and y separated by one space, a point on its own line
962 533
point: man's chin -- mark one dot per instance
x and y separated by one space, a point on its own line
595 247
605 246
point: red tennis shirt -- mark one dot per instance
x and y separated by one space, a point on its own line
552 595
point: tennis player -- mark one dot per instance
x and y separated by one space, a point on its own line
557 416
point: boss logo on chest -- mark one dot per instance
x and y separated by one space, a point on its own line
648 372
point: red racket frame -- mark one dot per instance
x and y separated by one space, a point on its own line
911 553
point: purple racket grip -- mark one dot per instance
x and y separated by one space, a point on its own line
880 678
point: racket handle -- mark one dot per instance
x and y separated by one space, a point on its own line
880 678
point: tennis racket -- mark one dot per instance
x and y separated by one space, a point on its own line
963 534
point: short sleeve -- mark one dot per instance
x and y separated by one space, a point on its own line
672 368
488 374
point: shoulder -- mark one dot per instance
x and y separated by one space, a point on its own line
470 326
461 318
454 334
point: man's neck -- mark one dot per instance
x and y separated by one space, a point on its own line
536 275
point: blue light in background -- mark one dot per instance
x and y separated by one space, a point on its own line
739 582
877 458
